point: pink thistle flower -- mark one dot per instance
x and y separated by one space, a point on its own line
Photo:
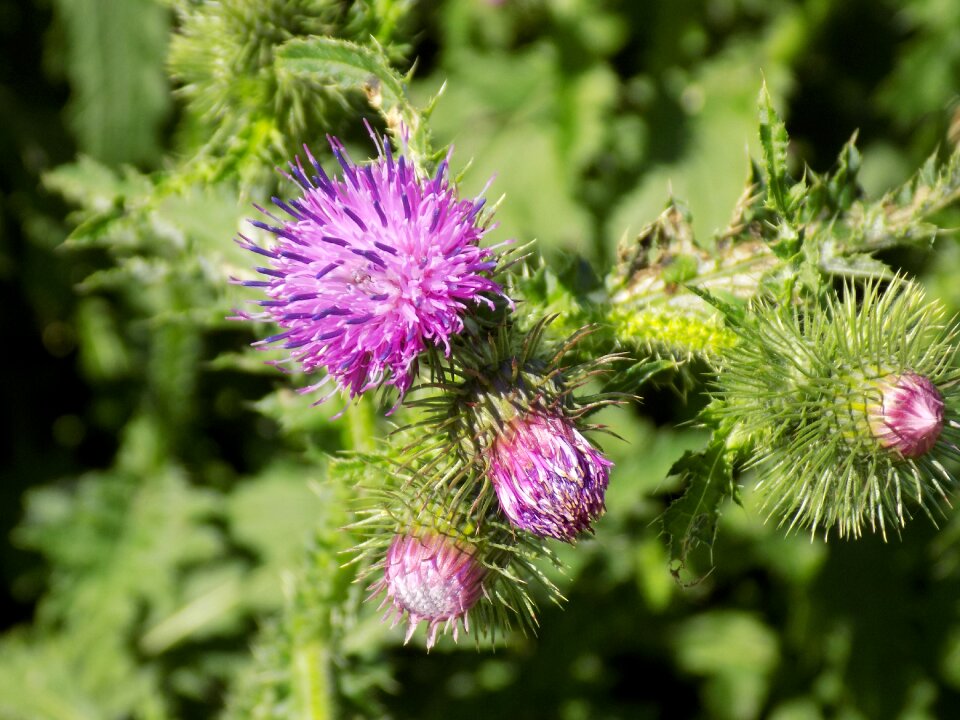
371 269
548 477
909 416
430 578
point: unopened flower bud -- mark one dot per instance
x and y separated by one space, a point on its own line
849 403
548 477
431 577
909 415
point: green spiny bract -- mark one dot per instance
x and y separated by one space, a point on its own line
505 383
402 501
804 388
435 487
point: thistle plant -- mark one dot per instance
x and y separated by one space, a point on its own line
479 371
841 404
549 479
515 416
908 418
245 105
432 558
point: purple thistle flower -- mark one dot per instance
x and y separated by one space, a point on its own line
371 269
431 578
909 416
548 477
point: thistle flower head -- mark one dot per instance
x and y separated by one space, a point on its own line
549 479
515 419
371 269
909 415
430 577
848 405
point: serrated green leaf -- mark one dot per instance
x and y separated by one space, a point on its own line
343 63
773 141
901 217
94 186
691 520
350 66
859 265
51 677
843 185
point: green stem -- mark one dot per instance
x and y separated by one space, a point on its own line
362 425
628 300
311 665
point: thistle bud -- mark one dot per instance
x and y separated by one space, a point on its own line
549 479
909 415
431 577
850 407
516 420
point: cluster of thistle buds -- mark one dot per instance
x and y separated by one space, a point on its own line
374 276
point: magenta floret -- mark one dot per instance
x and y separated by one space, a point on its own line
430 578
372 268
549 479
909 416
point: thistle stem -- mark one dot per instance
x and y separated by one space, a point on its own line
361 425
311 665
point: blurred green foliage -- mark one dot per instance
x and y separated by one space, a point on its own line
189 511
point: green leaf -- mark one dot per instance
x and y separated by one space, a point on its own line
92 185
691 520
350 66
901 217
843 185
122 547
63 676
642 372
346 64
858 265
774 140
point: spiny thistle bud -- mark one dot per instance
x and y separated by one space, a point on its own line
433 578
441 557
515 419
371 270
909 416
549 479
847 406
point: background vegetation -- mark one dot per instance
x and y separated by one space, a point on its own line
173 529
